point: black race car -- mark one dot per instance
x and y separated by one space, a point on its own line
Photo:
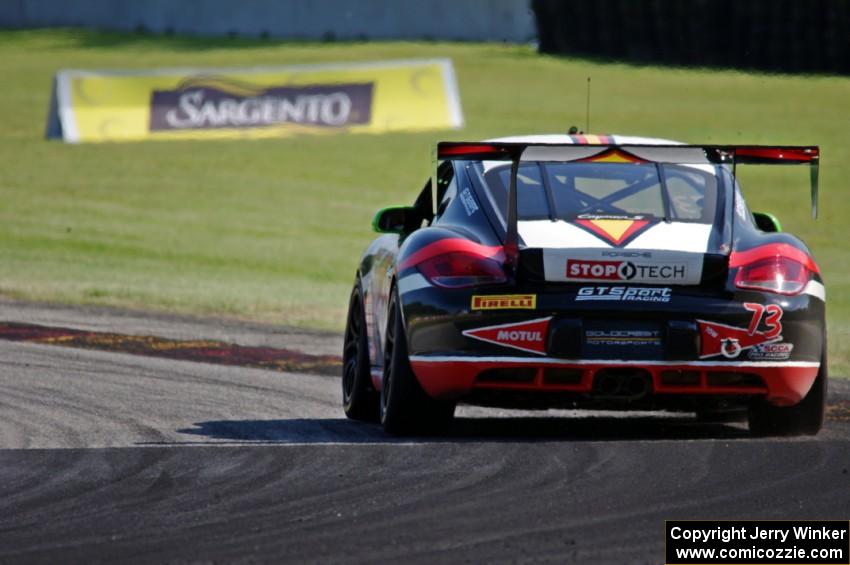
601 272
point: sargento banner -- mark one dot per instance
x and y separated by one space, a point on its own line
94 106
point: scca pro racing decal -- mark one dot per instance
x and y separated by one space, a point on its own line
771 352
504 302
623 294
526 336
730 341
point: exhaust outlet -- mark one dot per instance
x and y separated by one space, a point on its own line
637 386
622 383
609 384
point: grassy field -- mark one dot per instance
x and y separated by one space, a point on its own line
272 229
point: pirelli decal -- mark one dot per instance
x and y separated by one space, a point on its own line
505 302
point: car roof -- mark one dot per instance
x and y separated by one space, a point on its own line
584 139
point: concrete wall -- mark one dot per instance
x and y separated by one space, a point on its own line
467 20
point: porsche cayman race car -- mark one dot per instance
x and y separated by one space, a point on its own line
600 272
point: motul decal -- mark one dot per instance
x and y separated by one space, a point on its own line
730 341
526 336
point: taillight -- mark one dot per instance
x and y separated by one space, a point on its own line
457 269
774 274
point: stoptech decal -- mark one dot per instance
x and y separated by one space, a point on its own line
608 265
527 336
730 341
625 270
623 294
505 302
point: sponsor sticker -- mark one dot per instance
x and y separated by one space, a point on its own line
504 302
624 266
628 254
468 202
583 269
614 231
608 217
730 341
623 294
623 337
527 336
771 351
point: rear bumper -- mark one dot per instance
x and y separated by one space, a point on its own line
453 377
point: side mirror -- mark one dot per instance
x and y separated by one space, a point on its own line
766 221
396 219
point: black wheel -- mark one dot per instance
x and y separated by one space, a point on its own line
405 408
804 418
359 398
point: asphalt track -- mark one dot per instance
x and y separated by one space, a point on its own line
110 457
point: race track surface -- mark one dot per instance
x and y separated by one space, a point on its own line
119 458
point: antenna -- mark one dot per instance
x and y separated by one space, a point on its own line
587 115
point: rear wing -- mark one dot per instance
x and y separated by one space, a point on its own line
673 154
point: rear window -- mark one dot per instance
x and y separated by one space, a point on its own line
567 191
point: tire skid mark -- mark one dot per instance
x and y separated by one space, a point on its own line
204 351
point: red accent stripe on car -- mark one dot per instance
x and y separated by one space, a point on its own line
805 155
740 258
449 245
467 149
784 384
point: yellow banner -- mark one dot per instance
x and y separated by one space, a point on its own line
416 95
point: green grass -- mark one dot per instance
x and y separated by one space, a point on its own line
272 229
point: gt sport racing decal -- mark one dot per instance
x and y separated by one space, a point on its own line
527 336
504 302
623 294
730 341
641 267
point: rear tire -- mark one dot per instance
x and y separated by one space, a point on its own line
405 408
804 418
359 398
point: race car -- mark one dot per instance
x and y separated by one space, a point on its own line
588 271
